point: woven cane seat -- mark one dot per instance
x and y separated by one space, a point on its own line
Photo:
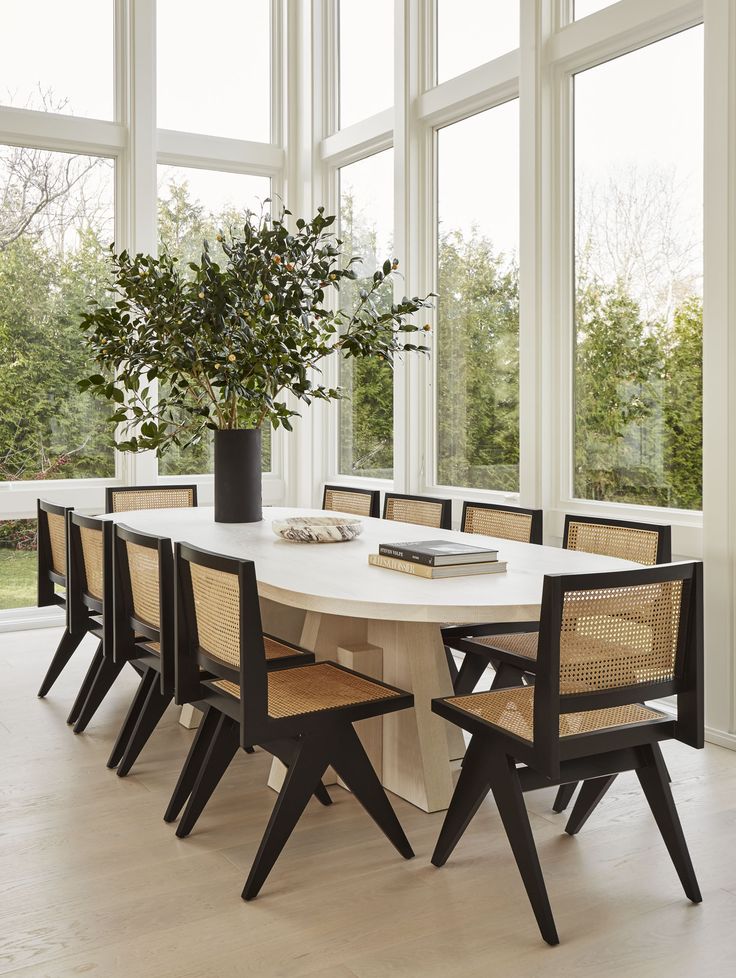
311 689
277 650
512 710
518 643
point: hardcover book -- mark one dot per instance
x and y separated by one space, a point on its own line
433 573
438 553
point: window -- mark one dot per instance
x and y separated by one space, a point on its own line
471 32
56 221
193 205
214 65
366 44
638 276
18 567
366 226
477 344
58 57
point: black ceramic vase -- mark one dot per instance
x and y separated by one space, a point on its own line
238 476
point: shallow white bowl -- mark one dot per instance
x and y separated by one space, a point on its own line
318 529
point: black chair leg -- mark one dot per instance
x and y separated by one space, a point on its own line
472 787
154 708
64 650
472 668
286 751
311 761
590 794
351 762
131 718
193 763
653 778
101 685
451 665
222 749
89 678
507 676
510 802
564 796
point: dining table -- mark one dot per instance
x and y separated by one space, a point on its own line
353 612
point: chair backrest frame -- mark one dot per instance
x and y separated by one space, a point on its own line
112 491
664 532
374 497
82 606
536 517
194 665
686 683
47 575
126 623
445 507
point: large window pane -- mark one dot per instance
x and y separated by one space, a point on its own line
58 56
366 58
638 276
477 347
56 221
214 64
193 205
471 32
18 568
366 226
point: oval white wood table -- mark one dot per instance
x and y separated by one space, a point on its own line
355 613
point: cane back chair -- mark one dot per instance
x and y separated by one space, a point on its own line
607 643
123 499
645 543
303 715
347 499
423 510
52 573
492 520
89 592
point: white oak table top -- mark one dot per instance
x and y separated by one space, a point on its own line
336 579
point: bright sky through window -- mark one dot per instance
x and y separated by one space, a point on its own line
58 56
471 32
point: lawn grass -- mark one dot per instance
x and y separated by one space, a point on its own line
17 578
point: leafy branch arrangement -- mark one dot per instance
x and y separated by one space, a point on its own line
227 341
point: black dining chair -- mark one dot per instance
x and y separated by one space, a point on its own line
349 499
51 523
123 499
511 647
607 643
422 510
303 715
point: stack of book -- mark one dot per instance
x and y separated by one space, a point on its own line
437 558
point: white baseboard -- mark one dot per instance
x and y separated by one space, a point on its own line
720 737
22 619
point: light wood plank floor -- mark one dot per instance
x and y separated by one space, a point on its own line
92 882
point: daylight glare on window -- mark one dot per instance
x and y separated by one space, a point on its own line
638 276
477 342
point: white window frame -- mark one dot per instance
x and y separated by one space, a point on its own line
136 147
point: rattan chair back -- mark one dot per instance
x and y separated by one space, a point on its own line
144 597
51 551
505 522
123 499
90 569
422 510
346 499
617 639
643 543
219 633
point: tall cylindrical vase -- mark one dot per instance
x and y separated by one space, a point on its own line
238 476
